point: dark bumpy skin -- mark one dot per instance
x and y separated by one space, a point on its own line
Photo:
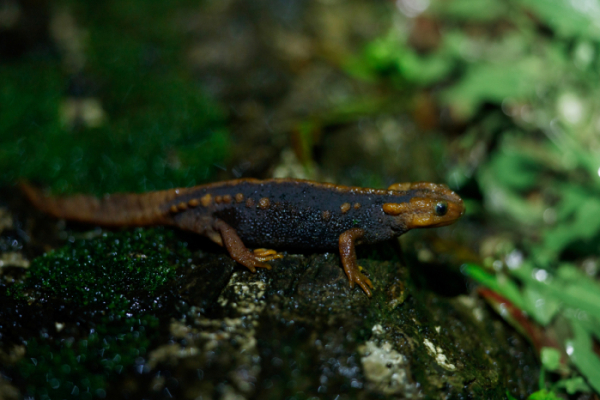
285 213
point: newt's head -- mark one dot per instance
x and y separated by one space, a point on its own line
430 205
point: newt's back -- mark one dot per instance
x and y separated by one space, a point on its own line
300 214
304 214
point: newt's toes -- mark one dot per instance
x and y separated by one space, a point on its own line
259 264
266 255
253 264
364 283
361 280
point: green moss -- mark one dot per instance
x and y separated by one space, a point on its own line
172 139
30 93
110 284
83 368
158 128
105 272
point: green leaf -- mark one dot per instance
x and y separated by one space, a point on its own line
587 223
391 54
514 169
585 299
581 294
502 200
480 10
544 395
541 306
582 355
423 70
568 18
509 396
550 358
495 82
496 282
573 385
572 198
584 225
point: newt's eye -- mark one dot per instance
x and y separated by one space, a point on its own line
441 208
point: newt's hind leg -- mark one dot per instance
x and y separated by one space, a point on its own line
348 256
236 248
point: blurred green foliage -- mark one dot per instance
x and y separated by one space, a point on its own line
132 118
523 78
568 298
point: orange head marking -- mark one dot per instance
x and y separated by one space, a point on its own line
431 205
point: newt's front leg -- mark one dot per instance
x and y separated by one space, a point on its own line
348 256
237 250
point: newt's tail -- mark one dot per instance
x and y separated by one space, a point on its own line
111 210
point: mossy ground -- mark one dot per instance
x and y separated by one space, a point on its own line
105 296
101 273
84 368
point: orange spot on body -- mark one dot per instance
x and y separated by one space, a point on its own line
193 203
239 198
326 215
345 208
227 199
250 202
264 203
206 200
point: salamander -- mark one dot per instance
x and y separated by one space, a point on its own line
279 213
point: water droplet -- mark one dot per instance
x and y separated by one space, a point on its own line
540 275
569 349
